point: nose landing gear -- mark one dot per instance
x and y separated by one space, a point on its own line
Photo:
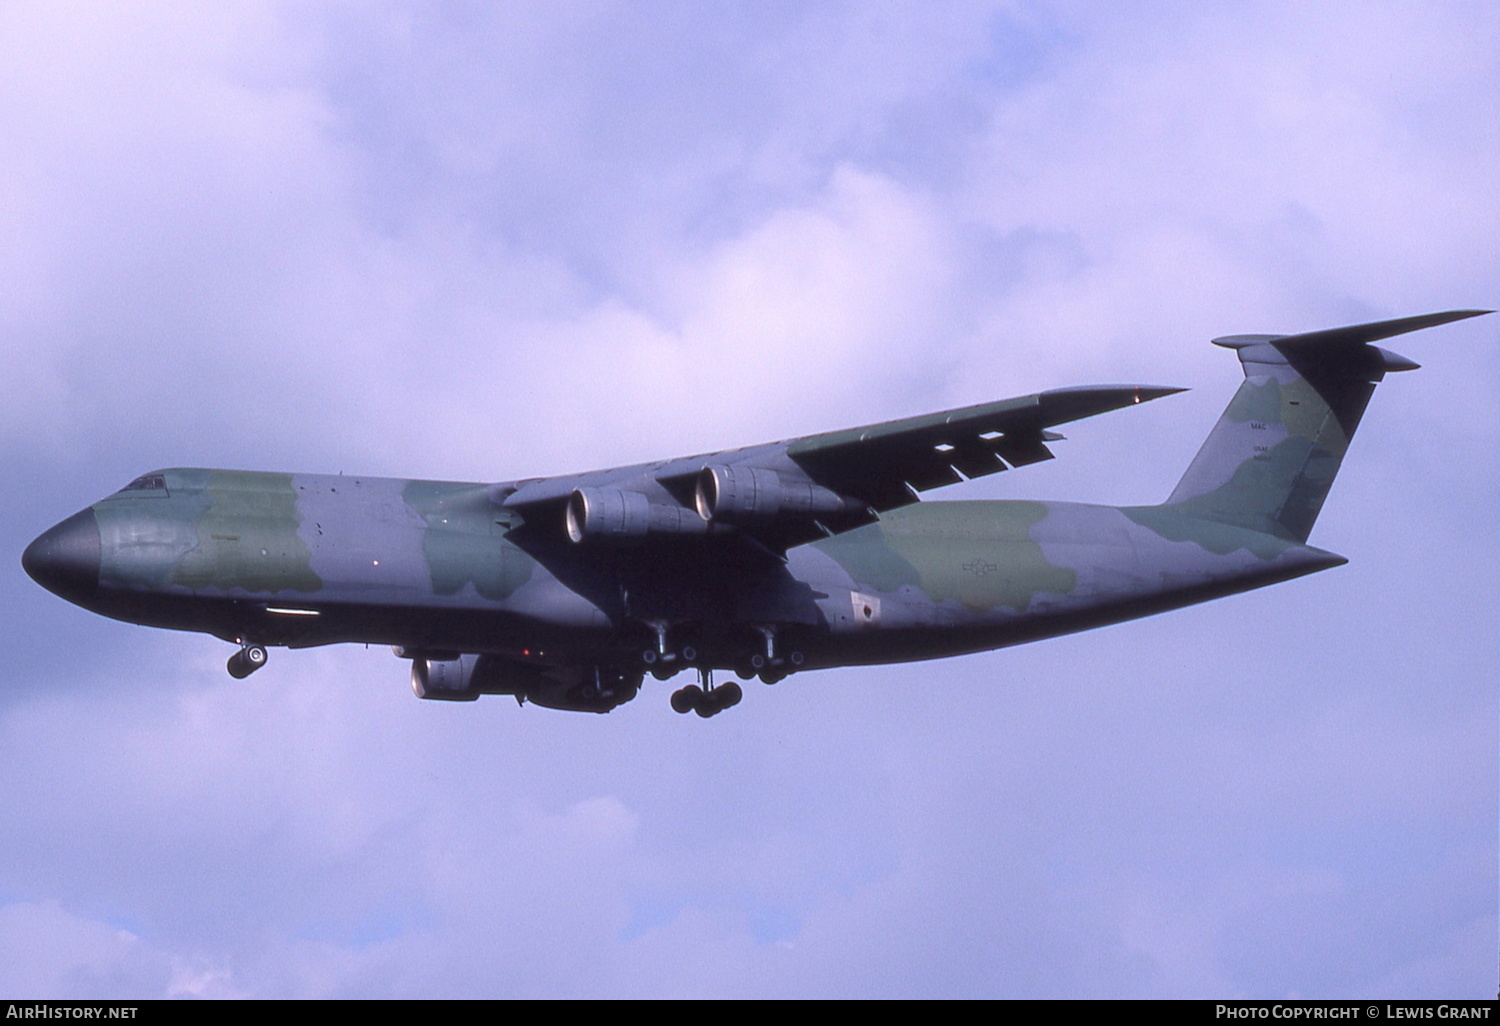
246 661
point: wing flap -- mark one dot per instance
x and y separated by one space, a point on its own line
883 464
974 462
1024 450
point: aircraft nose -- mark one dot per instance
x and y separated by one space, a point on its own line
65 559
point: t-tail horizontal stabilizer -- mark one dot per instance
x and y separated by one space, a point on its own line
1270 460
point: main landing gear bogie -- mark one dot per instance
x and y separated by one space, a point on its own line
661 661
663 664
706 700
770 670
766 661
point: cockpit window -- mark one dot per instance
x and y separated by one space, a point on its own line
147 483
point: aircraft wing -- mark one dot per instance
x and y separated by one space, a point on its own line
887 464
791 492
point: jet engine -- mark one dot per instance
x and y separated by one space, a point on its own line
741 494
624 517
578 689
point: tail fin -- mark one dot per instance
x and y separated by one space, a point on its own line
1270 460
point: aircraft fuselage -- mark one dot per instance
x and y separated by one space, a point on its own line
300 560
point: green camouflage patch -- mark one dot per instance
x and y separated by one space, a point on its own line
247 537
464 542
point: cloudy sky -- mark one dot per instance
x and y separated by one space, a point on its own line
475 241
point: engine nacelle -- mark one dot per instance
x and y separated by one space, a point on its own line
608 514
446 680
620 516
741 494
578 689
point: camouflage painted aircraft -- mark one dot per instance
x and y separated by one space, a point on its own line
796 555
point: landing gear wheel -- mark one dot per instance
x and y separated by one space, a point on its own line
246 661
685 700
720 698
705 699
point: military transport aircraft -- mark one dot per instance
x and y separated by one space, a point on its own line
797 555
